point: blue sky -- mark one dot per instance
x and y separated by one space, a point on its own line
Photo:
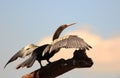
27 21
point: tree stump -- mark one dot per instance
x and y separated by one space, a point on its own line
79 60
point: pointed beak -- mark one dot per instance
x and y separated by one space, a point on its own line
70 24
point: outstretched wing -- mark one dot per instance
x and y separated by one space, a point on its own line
14 57
71 41
27 50
27 63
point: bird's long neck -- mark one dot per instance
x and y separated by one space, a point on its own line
58 31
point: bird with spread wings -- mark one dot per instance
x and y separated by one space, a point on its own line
36 51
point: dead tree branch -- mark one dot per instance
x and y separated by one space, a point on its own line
79 60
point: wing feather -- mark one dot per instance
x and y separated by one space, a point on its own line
14 57
71 41
60 44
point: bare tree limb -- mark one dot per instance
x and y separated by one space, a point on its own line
79 60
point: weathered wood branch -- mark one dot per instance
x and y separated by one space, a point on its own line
79 60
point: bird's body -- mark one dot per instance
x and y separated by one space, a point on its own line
37 55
